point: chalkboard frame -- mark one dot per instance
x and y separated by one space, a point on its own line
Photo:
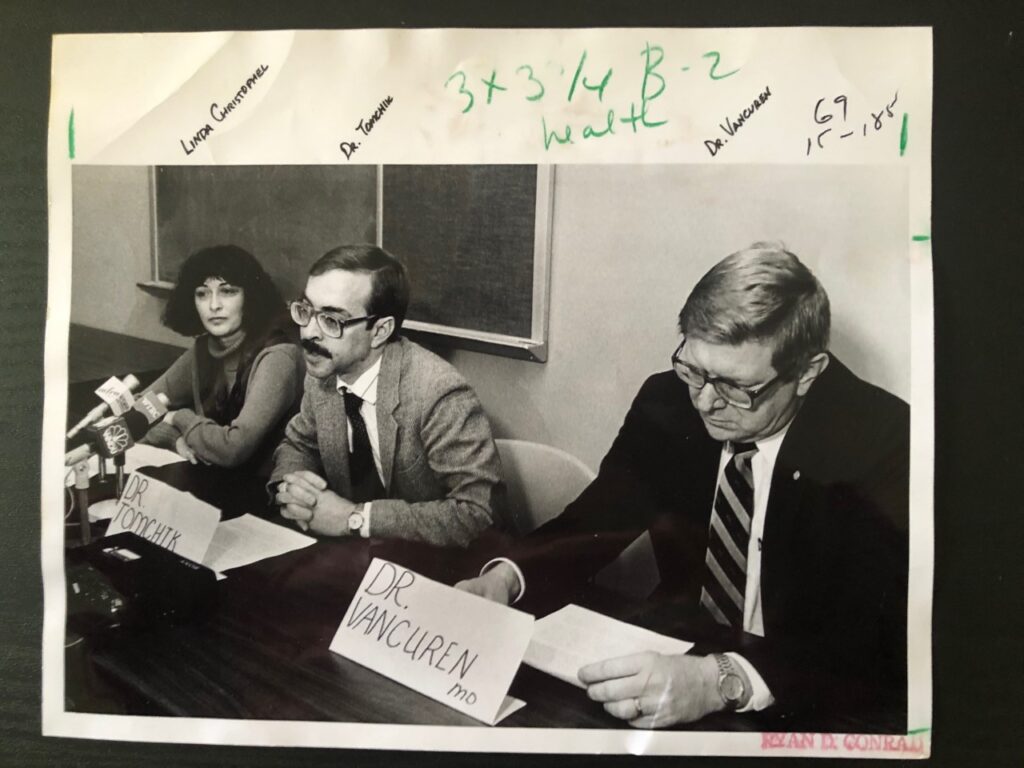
533 348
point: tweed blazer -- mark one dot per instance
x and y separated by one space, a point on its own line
438 457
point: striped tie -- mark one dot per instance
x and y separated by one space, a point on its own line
726 577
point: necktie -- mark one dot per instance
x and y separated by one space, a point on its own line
725 577
366 485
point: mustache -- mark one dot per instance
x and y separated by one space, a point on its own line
313 348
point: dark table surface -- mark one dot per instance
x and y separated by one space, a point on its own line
263 653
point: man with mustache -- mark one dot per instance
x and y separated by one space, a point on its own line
774 483
390 440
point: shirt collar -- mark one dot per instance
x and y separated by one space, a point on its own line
366 385
768 447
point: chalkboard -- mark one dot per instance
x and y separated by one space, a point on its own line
474 238
467 236
287 216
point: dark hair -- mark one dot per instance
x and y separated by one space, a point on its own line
762 293
263 308
389 294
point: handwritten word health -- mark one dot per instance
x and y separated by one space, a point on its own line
220 113
364 126
534 84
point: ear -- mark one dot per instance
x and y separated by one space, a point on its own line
382 331
814 369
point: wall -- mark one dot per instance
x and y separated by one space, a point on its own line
628 242
111 253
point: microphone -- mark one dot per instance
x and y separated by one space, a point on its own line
130 383
111 437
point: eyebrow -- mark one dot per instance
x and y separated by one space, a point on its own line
723 379
336 310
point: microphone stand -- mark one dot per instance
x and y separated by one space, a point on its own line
118 472
82 494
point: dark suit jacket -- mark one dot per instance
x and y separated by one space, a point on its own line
835 545
439 461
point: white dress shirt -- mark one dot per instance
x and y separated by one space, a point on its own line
762 466
365 387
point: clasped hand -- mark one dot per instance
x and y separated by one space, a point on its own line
654 690
304 497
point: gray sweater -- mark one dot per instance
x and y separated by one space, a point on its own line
273 392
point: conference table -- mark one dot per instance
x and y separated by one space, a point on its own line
263 652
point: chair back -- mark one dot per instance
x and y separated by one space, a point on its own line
540 481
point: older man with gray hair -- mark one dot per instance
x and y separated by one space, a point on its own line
774 483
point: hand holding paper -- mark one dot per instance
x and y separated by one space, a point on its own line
498 584
655 690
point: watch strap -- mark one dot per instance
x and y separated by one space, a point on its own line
728 676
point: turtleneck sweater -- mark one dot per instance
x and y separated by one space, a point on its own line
272 393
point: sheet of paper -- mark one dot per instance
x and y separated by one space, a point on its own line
509 706
249 539
572 637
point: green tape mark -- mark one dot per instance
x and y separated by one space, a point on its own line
903 135
917 731
921 238
71 135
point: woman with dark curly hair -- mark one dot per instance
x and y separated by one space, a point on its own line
232 393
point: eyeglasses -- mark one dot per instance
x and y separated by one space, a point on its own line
741 397
332 325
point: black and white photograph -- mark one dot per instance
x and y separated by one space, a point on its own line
496 456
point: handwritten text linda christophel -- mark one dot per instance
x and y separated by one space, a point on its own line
221 111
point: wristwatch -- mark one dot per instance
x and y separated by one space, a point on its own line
355 520
731 687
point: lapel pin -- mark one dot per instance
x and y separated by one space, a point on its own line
796 475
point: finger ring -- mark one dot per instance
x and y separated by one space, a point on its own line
636 703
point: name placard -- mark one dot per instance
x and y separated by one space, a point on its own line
456 648
169 518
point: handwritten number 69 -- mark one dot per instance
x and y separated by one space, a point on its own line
822 119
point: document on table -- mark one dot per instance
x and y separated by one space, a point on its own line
248 539
573 637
